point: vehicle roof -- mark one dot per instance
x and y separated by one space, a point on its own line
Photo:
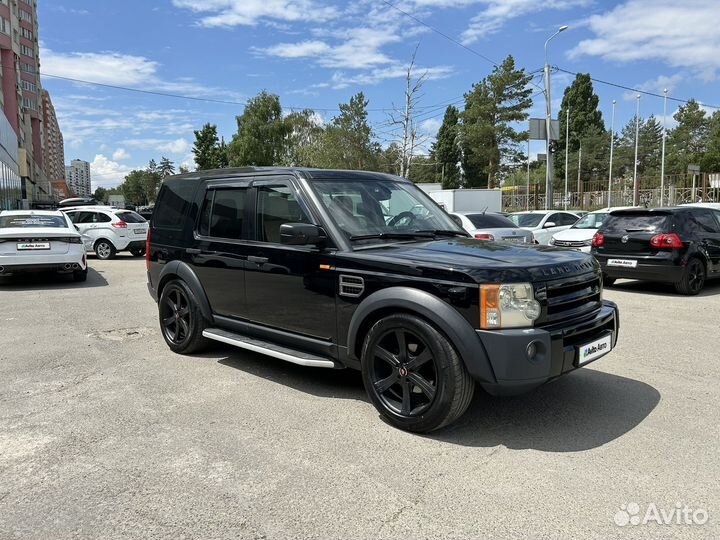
476 212
95 207
606 210
542 212
31 212
665 210
311 174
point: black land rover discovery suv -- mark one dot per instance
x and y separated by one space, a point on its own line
363 270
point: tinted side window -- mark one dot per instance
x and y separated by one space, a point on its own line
99 217
277 205
567 219
204 221
226 212
556 219
130 217
456 220
83 217
175 199
706 221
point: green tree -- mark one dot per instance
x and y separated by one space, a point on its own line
347 143
209 151
166 168
687 142
649 148
586 124
303 132
261 134
711 160
134 187
446 149
423 169
489 141
100 194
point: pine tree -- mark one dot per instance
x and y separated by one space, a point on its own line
490 144
687 142
166 168
446 149
210 153
586 125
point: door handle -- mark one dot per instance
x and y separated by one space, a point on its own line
193 251
257 260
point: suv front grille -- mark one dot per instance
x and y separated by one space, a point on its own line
569 243
571 298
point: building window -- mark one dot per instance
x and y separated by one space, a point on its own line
29 104
30 87
27 51
27 34
27 68
24 15
4 26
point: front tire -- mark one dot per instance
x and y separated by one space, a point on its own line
693 279
413 375
105 250
181 321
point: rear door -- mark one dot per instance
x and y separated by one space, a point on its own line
708 231
85 223
137 226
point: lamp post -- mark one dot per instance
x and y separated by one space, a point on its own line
567 141
662 162
548 123
528 177
637 136
612 144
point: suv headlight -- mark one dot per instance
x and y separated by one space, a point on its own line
587 242
509 305
552 241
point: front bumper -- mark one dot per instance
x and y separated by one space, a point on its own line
556 346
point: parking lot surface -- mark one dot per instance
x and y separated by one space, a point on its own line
104 433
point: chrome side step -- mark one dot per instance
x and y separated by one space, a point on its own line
270 349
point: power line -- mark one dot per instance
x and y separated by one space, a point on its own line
645 92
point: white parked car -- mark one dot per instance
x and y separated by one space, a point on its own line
580 235
491 226
544 223
40 240
110 230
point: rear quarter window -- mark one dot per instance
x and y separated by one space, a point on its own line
130 217
173 204
490 221
636 222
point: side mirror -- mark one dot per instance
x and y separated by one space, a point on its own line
549 224
301 234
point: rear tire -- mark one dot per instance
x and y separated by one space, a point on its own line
137 252
693 279
104 250
413 375
80 275
181 321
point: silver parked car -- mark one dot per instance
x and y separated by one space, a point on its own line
492 226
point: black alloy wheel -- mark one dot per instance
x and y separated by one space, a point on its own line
181 321
693 279
413 374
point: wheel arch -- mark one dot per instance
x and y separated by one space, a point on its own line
180 270
106 239
429 307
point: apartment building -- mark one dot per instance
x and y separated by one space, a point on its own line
78 179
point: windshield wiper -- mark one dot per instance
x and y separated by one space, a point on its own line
392 235
444 232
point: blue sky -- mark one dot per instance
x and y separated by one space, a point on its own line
318 53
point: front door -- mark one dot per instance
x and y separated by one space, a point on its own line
285 287
708 230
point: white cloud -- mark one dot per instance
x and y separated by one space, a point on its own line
431 126
656 85
177 146
375 76
117 69
227 13
107 173
120 155
680 34
498 12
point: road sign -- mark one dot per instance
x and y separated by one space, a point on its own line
537 129
694 169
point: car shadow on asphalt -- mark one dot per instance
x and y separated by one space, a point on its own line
712 288
45 281
581 411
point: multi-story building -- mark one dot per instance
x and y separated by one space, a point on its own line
53 145
21 97
77 175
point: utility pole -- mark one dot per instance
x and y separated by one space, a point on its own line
662 162
579 184
549 176
636 191
612 147
567 143
528 175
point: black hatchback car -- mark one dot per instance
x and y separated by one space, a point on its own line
350 269
673 245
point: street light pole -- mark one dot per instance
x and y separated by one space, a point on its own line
636 201
567 141
528 176
612 144
662 166
549 176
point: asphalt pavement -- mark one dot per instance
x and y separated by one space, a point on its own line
104 433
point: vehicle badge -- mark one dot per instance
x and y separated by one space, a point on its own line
625 239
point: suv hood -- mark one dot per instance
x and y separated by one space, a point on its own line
575 234
484 261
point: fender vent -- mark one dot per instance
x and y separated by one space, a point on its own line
351 286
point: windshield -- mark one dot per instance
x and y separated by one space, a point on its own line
29 221
591 221
526 220
381 208
490 221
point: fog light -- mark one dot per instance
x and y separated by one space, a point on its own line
532 350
